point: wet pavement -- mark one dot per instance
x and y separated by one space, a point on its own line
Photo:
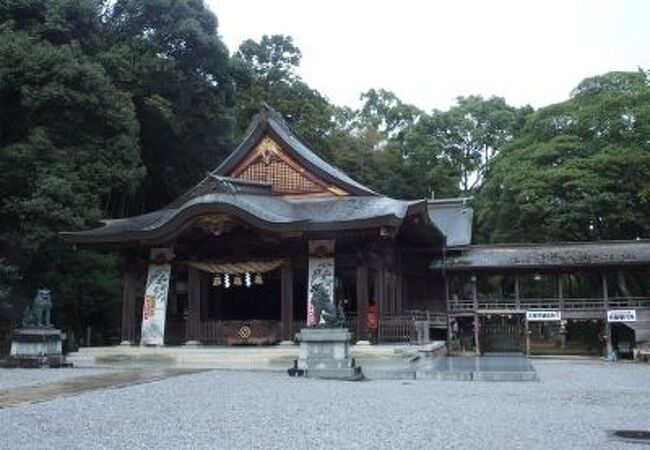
495 367
72 386
492 367
487 363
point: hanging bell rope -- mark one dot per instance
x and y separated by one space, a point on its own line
237 268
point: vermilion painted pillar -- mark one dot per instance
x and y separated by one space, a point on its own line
362 303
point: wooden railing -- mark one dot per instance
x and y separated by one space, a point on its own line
566 304
402 328
629 302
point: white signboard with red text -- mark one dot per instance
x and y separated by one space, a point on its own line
621 315
542 316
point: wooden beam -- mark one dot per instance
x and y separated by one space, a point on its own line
128 307
381 295
362 303
477 327
608 326
517 293
527 332
193 305
446 293
560 291
204 297
474 292
286 299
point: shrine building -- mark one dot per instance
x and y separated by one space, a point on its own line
235 260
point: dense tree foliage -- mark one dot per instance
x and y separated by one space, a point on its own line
108 109
169 58
114 108
266 72
471 132
579 171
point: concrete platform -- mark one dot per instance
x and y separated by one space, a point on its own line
269 358
379 362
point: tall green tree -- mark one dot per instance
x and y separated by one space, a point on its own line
579 171
371 144
169 58
471 132
68 138
266 71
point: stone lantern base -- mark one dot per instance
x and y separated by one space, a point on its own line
325 353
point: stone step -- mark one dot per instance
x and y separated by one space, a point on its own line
348 373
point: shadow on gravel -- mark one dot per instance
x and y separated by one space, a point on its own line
44 392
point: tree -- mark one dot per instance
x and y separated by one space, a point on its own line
170 59
267 72
471 132
68 138
579 171
384 112
274 59
106 109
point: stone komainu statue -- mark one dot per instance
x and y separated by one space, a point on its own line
332 315
39 313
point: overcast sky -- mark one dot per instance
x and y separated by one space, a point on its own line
429 52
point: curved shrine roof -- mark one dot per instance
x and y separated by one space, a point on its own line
268 212
333 201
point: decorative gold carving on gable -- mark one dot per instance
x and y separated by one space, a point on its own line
269 163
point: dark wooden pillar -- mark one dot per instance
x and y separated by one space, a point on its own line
376 290
477 319
286 299
474 293
608 327
193 306
477 331
517 294
399 281
447 310
560 296
362 303
206 284
128 307
560 292
527 332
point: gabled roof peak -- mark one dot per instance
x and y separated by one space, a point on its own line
269 122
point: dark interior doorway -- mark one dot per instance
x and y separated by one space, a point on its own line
502 333
241 302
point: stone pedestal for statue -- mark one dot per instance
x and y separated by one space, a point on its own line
325 353
36 347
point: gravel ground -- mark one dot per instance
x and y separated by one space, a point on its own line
573 406
13 378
